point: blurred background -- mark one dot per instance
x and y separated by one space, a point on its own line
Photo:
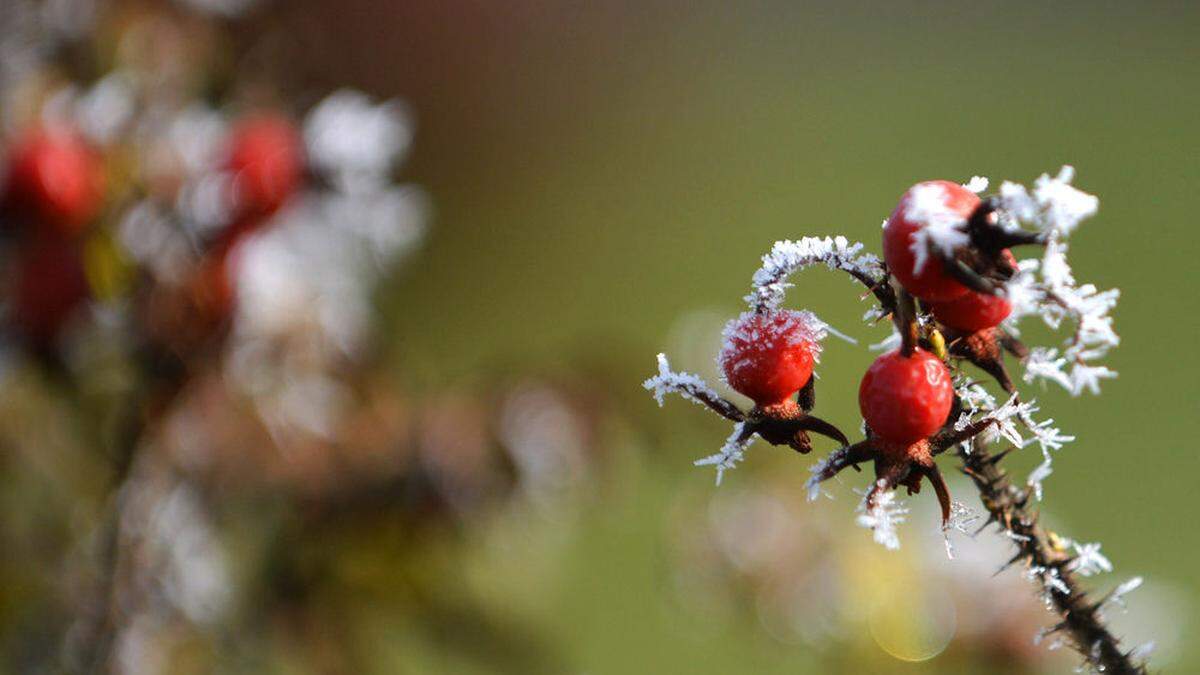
324 339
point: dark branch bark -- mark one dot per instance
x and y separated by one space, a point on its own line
1081 619
719 405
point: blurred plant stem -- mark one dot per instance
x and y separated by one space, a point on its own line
90 644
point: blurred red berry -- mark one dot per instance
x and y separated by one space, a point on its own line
212 287
267 160
972 312
933 282
54 180
769 356
49 286
906 398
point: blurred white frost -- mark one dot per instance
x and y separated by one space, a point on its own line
305 283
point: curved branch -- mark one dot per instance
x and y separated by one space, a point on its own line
788 257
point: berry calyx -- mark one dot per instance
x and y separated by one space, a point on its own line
768 356
267 161
55 181
906 398
972 312
930 218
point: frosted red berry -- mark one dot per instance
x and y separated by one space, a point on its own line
906 398
768 356
267 160
932 282
55 181
972 312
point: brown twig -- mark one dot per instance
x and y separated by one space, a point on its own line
97 630
905 317
1081 617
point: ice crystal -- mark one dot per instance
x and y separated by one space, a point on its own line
976 399
1049 578
1048 288
961 519
977 184
767 332
731 453
942 228
1117 596
690 386
1039 474
788 257
813 484
1089 560
883 516
1142 651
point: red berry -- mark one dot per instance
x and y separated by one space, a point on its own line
932 283
906 398
972 312
50 286
769 356
55 180
266 158
212 286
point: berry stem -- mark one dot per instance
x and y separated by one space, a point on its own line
1081 616
905 316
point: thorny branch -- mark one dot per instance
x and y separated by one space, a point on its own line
1082 616
1045 288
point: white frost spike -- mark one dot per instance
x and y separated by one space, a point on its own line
1055 205
973 396
943 227
1088 377
977 184
883 517
813 485
961 519
1054 582
1048 287
687 385
1048 437
1042 634
731 453
1117 597
1089 560
1039 474
1044 363
1004 419
1142 651
788 257
1063 205
1024 292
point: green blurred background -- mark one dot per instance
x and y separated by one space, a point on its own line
606 175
